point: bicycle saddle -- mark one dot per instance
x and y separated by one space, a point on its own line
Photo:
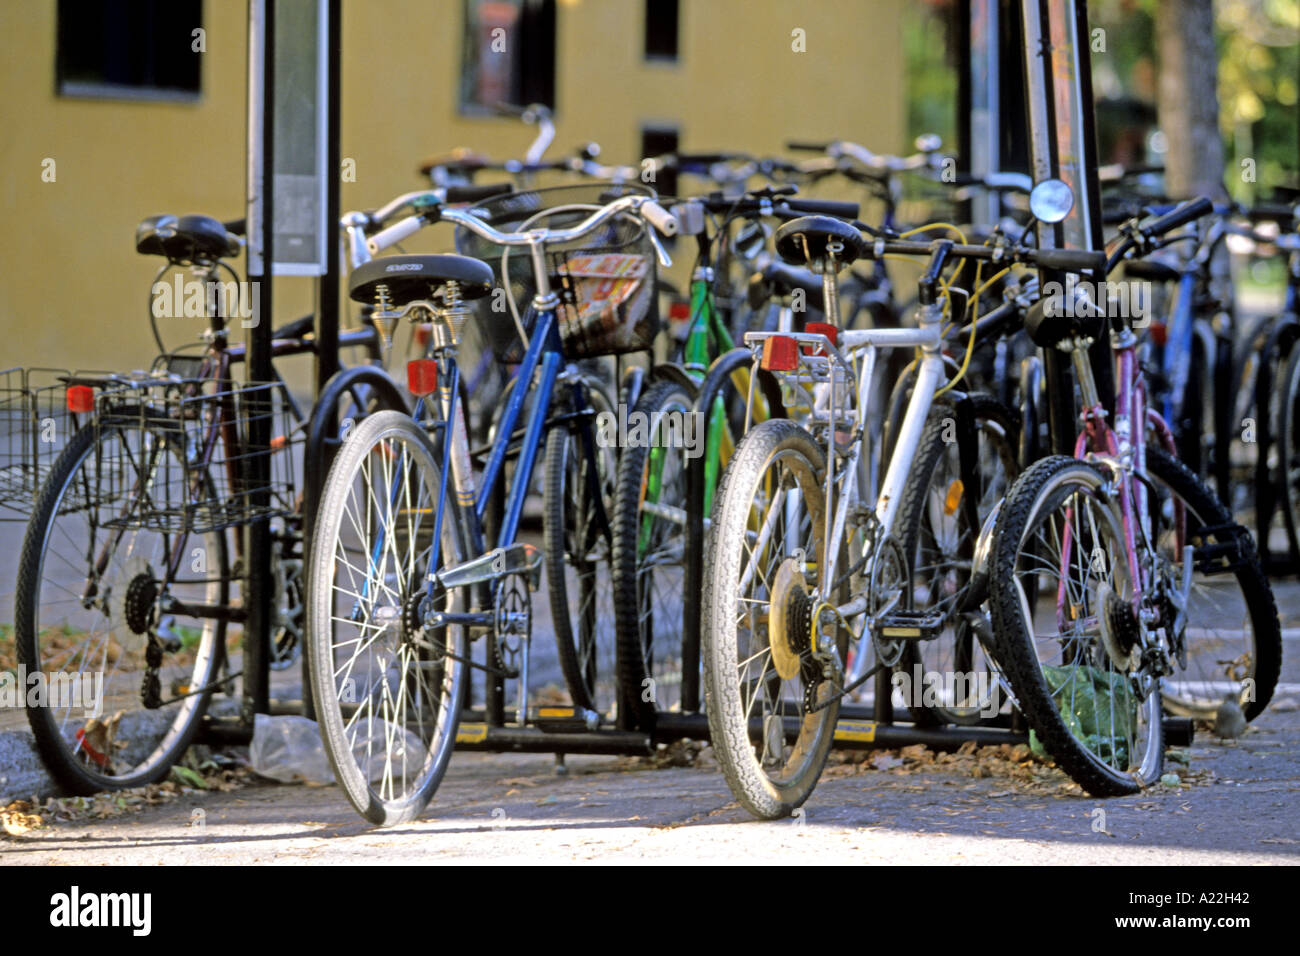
802 242
1047 331
185 238
780 281
409 278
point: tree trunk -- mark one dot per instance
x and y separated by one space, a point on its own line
1188 98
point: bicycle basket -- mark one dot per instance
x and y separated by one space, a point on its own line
36 422
194 455
605 281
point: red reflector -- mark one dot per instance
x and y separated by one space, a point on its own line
679 311
821 328
423 332
81 399
780 354
422 376
1159 333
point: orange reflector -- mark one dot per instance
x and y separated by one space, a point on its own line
953 498
81 399
422 376
1159 333
423 332
780 354
278 442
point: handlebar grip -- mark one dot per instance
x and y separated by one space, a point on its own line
1072 260
660 218
804 146
825 207
395 233
1180 216
462 194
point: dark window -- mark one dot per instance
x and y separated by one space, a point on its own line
656 141
661 29
508 54
129 49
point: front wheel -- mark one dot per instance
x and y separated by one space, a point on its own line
388 687
1073 649
771 698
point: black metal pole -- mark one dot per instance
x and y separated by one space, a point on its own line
257 553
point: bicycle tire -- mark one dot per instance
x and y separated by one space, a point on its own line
650 644
1254 605
381 439
935 531
69 762
763 794
1043 487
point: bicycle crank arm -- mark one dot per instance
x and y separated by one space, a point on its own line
515 559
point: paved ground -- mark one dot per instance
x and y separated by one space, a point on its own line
1236 804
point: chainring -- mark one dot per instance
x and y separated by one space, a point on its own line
887 587
512 616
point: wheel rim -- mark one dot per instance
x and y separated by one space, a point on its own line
79 616
1069 565
786 514
389 693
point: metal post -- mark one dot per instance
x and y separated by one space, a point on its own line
257 552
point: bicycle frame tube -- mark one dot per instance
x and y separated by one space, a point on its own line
1178 348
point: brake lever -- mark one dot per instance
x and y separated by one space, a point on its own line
664 259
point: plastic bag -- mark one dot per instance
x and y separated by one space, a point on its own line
1099 707
289 749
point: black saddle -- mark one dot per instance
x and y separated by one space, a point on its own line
409 278
185 238
803 241
779 280
1048 331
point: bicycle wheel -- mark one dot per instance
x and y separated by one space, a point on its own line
1068 639
97 599
953 679
650 502
387 688
577 540
769 698
1288 448
1231 644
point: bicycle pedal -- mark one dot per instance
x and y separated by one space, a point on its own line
515 559
902 625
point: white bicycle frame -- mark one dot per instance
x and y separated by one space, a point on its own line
830 367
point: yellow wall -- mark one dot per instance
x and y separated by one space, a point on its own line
72 289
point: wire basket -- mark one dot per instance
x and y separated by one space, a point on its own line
194 455
605 281
35 425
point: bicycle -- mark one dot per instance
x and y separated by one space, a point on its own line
1103 565
126 572
804 553
402 572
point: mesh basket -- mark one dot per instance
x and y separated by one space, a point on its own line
182 456
35 425
605 281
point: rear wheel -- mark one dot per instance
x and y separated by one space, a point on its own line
93 612
770 696
958 677
1069 641
650 553
1288 448
577 538
1229 643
